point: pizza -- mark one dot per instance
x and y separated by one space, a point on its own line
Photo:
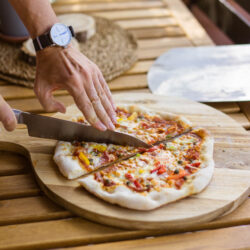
179 162
78 158
162 174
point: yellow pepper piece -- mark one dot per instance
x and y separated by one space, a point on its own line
83 158
119 120
141 171
133 116
100 148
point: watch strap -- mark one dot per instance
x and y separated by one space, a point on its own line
43 41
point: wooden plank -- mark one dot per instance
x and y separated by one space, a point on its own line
139 68
30 209
228 238
166 42
147 23
10 92
157 32
65 2
245 108
133 14
149 54
129 82
187 21
226 107
18 186
242 119
95 7
11 164
76 231
123 82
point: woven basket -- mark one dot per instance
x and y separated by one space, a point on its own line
112 48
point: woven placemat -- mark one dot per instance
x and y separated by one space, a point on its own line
112 48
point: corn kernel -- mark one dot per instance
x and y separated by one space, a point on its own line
141 171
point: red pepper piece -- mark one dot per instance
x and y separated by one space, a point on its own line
129 176
162 170
154 170
152 149
196 164
137 184
181 174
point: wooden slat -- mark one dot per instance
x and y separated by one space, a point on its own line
229 238
157 32
190 25
166 42
149 54
226 107
242 119
65 2
147 23
10 92
11 164
129 82
76 231
133 14
139 68
18 186
23 210
96 7
245 108
123 82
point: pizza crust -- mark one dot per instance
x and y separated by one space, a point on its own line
125 197
68 166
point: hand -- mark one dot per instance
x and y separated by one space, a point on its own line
7 116
59 68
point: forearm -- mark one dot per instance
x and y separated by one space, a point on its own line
37 15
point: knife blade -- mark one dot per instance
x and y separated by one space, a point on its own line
58 129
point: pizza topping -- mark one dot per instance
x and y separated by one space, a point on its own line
180 174
83 158
178 183
108 183
192 154
133 116
100 148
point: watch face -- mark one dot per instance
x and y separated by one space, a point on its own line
60 34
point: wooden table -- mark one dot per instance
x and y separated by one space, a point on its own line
30 220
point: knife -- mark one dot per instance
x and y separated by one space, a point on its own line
53 128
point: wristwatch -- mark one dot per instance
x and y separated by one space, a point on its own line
59 35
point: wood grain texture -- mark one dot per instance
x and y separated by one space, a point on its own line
157 32
226 189
12 164
18 186
189 24
242 119
76 231
134 14
147 23
228 238
23 210
94 7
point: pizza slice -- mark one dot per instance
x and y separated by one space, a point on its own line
79 158
162 174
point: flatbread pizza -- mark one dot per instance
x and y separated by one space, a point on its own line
178 164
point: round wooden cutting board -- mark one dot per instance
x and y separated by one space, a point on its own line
228 189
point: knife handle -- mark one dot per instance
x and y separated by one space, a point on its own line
18 115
